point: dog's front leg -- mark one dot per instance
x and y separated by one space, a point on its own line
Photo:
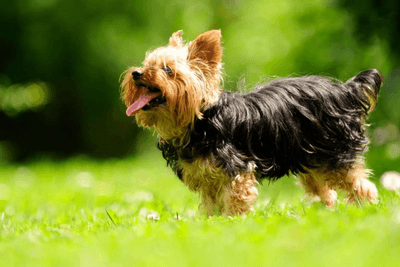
230 197
220 194
240 194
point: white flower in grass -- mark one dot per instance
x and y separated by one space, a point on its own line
153 217
391 180
149 214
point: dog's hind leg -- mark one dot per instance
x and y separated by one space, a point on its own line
314 184
356 184
352 180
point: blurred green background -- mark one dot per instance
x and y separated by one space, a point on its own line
61 62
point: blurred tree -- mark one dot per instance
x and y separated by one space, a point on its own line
374 19
49 41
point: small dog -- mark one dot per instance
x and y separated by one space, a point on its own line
222 144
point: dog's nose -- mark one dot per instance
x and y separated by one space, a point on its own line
137 74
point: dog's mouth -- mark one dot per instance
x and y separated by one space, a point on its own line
148 98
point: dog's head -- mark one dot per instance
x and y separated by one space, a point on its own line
176 83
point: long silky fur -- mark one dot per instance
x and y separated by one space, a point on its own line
282 126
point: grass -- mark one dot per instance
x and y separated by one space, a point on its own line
134 212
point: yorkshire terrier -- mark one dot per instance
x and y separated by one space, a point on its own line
222 144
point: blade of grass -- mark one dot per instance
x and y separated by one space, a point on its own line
357 200
109 216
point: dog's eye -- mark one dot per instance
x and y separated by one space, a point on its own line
167 70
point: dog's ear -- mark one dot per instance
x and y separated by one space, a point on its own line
207 48
176 39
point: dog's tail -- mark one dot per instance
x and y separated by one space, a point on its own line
367 83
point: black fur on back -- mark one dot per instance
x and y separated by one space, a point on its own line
283 126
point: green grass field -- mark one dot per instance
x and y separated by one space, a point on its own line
82 212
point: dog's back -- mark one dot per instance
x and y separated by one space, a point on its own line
287 125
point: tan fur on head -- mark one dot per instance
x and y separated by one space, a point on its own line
192 86
176 39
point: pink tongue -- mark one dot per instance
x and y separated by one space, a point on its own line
140 103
